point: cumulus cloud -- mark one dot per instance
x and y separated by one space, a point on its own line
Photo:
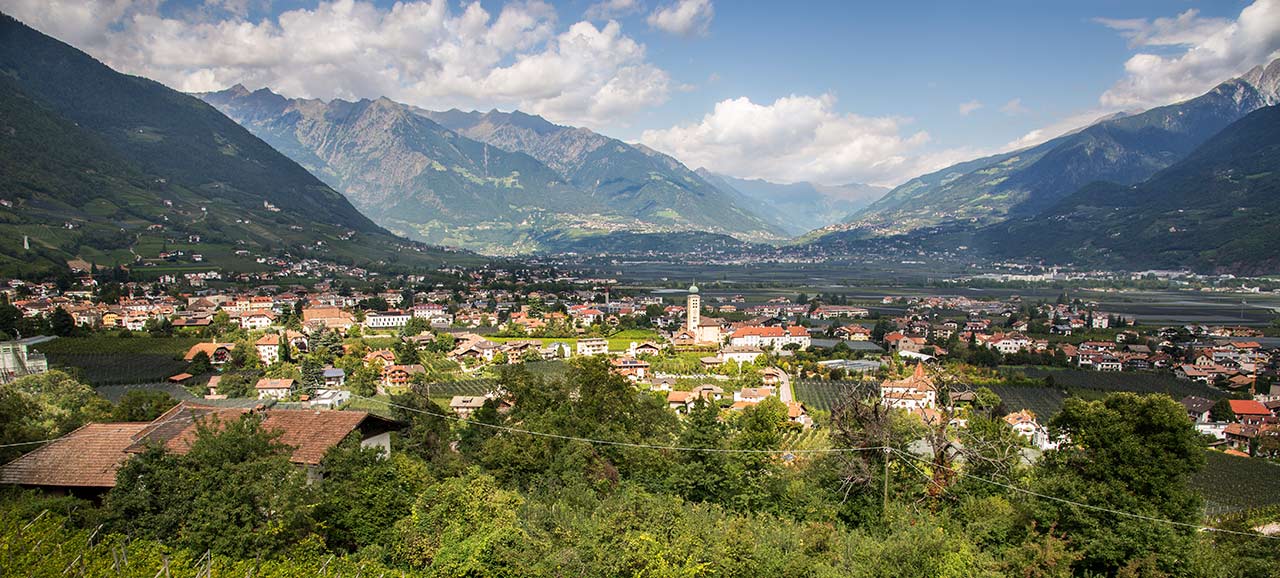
1212 51
419 51
800 138
683 18
610 9
967 108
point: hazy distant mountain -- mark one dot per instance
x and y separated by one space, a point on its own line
1123 150
495 182
1218 209
108 168
799 207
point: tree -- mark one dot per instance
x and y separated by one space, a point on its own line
460 527
702 476
1221 411
234 492
20 422
62 323
142 405
200 364
364 493
1126 453
65 403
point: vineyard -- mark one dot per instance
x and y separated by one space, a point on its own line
107 360
809 439
1164 383
819 394
462 387
1046 401
1233 483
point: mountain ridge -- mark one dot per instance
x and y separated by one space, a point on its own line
1127 150
494 181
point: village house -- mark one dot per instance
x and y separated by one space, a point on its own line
268 347
274 388
916 393
775 338
593 346
386 319
85 461
400 375
331 318
630 368
218 353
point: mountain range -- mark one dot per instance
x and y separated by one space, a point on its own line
1123 149
495 181
1217 209
105 168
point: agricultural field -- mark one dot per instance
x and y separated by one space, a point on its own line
1046 401
109 360
1136 382
819 394
1232 483
448 389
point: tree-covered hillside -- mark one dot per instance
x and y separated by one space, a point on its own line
1217 209
108 168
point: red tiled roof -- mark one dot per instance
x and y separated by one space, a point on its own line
1248 407
87 457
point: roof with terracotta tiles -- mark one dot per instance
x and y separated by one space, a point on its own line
87 457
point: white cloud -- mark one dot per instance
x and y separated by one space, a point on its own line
610 9
684 18
421 51
1214 51
1187 28
967 108
800 138
1014 107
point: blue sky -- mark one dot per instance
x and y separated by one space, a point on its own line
823 91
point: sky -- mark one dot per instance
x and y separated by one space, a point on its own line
825 91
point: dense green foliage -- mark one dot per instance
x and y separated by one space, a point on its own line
510 503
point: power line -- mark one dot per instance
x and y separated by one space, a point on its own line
1087 506
618 443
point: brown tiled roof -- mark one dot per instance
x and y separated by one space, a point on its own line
207 348
87 457
309 432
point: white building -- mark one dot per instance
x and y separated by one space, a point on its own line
386 319
593 346
18 359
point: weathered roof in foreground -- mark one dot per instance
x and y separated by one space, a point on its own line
87 457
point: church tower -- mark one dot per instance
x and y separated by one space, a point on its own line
693 310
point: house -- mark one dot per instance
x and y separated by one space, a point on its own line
630 368
1197 408
254 320
274 388
775 338
753 394
852 333
18 359
913 393
268 347
1248 411
332 318
593 346
386 356
329 398
465 405
334 377
1024 424
386 319
680 401
708 392
797 413
400 375
740 354
643 349
218 353
85 461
